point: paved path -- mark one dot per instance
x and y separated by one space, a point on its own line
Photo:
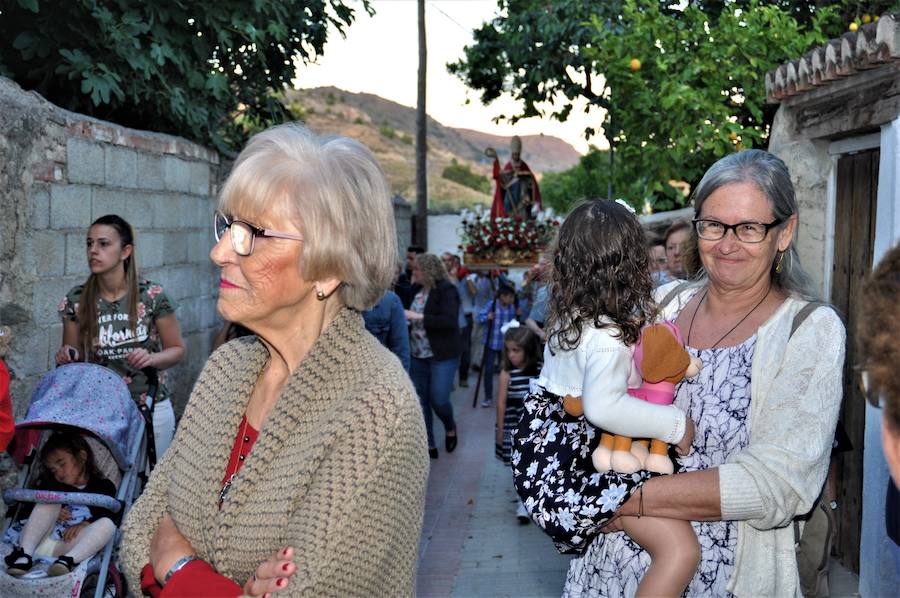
472 544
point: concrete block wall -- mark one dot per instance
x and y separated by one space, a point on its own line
58 172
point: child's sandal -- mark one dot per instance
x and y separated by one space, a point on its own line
61 566
18 562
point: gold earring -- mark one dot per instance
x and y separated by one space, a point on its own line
320 295
780 265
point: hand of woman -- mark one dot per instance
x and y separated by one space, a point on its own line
168 545
66 354
64 515
140 359
411 315
70 533
684 445
273 574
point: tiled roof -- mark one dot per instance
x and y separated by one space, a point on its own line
868 47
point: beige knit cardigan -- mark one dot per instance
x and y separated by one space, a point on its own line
338 472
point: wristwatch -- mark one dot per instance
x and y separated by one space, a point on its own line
178 566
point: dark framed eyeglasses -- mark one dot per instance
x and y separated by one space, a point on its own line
243 234
746 232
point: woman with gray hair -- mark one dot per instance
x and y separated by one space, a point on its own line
299 465
765 403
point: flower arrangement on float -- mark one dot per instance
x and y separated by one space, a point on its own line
508 241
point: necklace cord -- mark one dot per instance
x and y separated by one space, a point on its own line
733 328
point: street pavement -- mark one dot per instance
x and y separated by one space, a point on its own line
472 544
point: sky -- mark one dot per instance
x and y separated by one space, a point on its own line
380 55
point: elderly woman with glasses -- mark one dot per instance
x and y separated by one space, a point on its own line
765 403
299 465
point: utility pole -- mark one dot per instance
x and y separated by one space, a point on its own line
421 139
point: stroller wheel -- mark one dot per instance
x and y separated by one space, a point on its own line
114 587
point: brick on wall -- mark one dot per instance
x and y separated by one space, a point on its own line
121 167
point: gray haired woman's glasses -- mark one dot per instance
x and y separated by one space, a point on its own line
746 232
243 234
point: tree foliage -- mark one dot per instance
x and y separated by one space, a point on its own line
462 174
697 94
211 72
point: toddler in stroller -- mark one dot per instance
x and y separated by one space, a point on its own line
93 444
72 533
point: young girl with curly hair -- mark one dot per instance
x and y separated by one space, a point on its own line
600 298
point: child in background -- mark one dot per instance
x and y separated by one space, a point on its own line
71 533
501 311
520 363
600 298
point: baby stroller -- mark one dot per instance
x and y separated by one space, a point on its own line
95 402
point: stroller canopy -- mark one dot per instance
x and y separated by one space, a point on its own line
90 397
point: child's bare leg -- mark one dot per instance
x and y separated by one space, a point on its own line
674 549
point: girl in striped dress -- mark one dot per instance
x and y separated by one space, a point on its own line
521 361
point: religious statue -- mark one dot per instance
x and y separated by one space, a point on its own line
516 190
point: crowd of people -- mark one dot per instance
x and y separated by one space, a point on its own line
301 461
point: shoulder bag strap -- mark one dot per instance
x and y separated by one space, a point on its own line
674 293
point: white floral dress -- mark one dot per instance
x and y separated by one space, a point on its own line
718 400
555 478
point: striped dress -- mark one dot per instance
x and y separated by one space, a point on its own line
519 380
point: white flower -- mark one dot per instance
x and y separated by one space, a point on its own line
571 497
611 497
532 469
566 519
552 465
589 510
535 424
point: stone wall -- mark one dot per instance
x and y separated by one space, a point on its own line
58 172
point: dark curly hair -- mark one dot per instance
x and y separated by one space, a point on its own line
878 329
600 268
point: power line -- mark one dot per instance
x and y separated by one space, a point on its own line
455 22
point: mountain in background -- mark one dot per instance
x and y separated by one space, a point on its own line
388 129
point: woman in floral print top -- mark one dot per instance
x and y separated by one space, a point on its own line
97 320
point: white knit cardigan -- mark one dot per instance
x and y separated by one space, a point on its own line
795 398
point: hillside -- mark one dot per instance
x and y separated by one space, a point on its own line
544 153
388 129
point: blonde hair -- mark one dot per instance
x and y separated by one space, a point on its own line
335 193
433 269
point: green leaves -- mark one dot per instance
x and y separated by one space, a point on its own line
205 72
696 95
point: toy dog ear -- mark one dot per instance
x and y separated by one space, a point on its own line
664 357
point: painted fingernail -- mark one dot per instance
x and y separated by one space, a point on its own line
285 566
281 582
267 595
284 552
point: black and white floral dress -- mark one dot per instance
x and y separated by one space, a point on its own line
718 400
556 479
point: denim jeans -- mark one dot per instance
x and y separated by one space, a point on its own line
433 379
490 357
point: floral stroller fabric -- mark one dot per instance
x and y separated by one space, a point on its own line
94 401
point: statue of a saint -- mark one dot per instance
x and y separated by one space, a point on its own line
516 190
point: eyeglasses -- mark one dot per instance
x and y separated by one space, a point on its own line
746 232
243 234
